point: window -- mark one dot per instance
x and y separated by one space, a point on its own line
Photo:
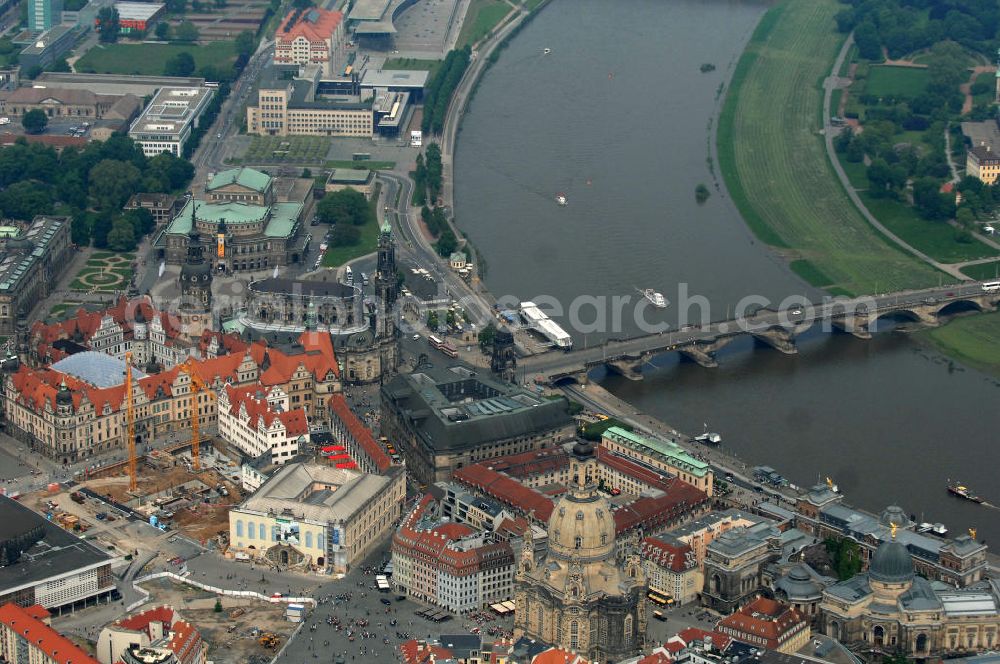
263 532
577 542
239 527
250 531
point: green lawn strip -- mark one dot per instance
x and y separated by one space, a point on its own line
857 172
150 59
983 271
934 238
337 256
413 64
972 340
481 17
810 273
892 81
774 160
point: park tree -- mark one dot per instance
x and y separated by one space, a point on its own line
121 237
447 243
930 202
35 121
486 336
181 64
176 6
112 183
432 321
108 24
163 31
24 200
80 228
187 32
345 235
867 40
101 228
246 43
141 220
344 207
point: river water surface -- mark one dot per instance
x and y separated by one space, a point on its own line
616 118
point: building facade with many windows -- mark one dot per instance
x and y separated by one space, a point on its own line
317 517
448 564
167 122
288 106
257 419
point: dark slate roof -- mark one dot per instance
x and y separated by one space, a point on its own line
488 410
57 553
303 288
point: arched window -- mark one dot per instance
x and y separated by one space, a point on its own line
541 620
263 532
878 635
574 635
251 534
239 527
577 542
604 538
627 630
309 540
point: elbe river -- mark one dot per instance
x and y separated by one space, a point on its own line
616 118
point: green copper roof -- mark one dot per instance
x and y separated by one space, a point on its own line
233 325
674 454
355 175
283 219
386 226
245 177
280 218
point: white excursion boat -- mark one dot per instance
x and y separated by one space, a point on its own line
657 299
547 51
561 199
708 437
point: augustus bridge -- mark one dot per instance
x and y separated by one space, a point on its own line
777 329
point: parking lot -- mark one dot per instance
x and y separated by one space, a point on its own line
56 127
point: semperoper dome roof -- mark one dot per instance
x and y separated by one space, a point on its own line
98 369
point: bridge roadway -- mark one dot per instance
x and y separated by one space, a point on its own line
775 328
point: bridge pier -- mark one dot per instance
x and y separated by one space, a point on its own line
703 358
779 339
853 326
625 368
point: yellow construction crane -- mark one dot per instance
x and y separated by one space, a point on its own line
197 385
130 419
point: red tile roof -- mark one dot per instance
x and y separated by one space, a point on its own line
763 618
506 490
315 31
28 625
667 554
558 656
696 634
253 398
185 641
82 326
361 434
418 652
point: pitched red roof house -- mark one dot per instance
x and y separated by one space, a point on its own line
31 626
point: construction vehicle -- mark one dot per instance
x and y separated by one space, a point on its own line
269 640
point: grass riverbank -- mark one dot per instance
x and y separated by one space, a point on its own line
774 161
972 340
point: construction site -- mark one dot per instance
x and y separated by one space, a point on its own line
187 487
